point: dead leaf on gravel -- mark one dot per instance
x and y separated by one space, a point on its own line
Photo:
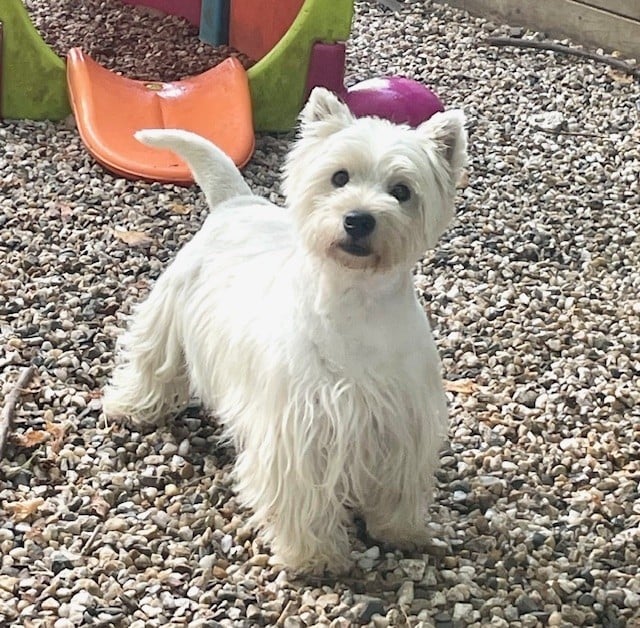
24 509
463 386
99 506
463 182
179 208
34 533
132 238
620 77
57 431
65 210
31 438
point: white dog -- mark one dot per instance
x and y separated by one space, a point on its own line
300 327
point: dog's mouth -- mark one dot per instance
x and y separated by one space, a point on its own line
352 248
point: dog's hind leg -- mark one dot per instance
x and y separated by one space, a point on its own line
150 382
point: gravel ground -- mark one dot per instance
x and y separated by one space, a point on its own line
534 297
139 42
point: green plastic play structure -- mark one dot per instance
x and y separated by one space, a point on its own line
277 81
34 77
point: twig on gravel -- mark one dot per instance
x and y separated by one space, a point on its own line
9 409
90 541
567 50
563 131
391 4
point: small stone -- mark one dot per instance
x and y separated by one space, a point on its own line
171 490
259 560
253 611
458 593
226 543
406 593
8 583
364 611
573 615
116 524
443 620
487 481
413 568
219 572
81 600
50 604
372 552
379 621
631 599
462 611
538 539
430 578
61 560
437 547
526 604
328 600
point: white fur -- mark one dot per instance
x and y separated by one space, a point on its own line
218 184
319 363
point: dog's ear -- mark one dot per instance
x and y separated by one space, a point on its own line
447 131
324 113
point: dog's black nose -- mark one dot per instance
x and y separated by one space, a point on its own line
359 224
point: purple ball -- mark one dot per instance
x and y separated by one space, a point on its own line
401 100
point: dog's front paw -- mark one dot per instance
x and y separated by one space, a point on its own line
401 537
321 559
317 565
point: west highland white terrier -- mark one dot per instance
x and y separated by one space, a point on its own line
300 328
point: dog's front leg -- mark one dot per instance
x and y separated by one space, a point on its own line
397 515
302 518
310 539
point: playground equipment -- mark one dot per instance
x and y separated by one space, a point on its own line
33 76
222 114
298 44
395 98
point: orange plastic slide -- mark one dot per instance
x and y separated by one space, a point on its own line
110 108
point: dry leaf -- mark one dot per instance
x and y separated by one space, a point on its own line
34 533
464 386
620 77
464 180
65 211
57 435
23 510
132 238
30 438
99 506
179 208
55 429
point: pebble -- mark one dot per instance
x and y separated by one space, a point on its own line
413 568
365 610
462 611
406 593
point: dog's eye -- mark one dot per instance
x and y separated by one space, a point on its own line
340 178
400 192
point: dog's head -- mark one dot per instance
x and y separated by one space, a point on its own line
369 194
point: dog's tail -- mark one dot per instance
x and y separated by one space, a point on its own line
213 170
